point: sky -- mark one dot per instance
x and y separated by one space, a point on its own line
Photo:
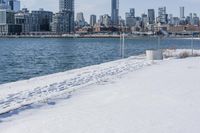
100 7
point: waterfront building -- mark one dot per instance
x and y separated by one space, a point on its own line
41 20
115 12
61 23
7 23
162 15
66 8
151 16
93 20
107 22
24 18
144 18
195 20
176 21
130 18
121 22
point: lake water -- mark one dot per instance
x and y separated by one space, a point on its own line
24 58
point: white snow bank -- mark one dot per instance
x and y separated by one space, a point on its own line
180 53
22 93
163 98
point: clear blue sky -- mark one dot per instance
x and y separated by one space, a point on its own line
99 7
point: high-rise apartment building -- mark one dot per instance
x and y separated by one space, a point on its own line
67 5
115 12
151 16
66 8
162 15
41 20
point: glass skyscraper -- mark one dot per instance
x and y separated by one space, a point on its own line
115 12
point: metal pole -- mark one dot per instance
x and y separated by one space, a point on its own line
120 49
123 45
192 44
158 47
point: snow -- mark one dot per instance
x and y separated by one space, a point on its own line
16 95
125 96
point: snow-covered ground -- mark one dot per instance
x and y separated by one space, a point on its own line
124 96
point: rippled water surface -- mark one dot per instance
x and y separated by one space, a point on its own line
31 57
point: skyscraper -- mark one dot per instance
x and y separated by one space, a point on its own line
115 12
182 12
80 17
67 5
66 8
4 4
93 20
132 12
80 20
162 15
151 16
130 18
14 5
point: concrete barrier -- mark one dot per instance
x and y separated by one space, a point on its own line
154 54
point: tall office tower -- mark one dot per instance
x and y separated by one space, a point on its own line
4 5
66 8
132 12
107 22
80 17
14 5
151 16
100 21
93 20
80 21
144 18
115 12
162 15
182 12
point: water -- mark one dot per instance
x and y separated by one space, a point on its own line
31 57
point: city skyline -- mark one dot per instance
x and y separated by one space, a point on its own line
104 6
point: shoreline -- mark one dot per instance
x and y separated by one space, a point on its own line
96 36
127 93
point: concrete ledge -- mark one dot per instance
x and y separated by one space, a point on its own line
154 54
